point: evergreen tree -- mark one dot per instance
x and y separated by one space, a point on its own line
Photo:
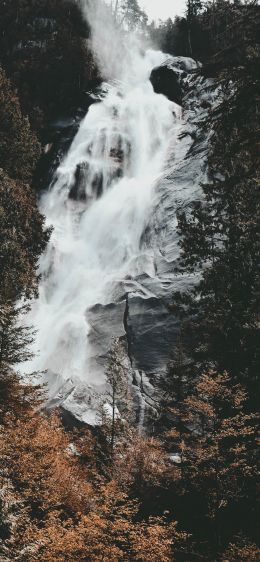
22 239
193 9
173 386
116 410
129 14
22 236
43 50
170 36
15 340
219 236
133 16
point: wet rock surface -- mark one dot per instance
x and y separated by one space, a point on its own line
138 310
57 138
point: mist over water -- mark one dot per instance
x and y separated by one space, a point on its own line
117 50
99 205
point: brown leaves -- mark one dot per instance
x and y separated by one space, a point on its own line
156 541
38 461
241 550
67 511
140 462
216 439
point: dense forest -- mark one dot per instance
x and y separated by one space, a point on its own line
70 492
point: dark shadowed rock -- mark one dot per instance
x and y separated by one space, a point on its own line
149 327
153 332
166 81
77 191
105 320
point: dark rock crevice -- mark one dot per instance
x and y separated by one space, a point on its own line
128 331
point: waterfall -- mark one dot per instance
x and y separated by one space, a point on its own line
112 208
99 206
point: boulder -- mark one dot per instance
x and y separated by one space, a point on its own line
166 81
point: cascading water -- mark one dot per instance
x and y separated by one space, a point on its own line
101 205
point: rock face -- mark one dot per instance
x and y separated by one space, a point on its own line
167 82
151 331
57 138
139 311
135 304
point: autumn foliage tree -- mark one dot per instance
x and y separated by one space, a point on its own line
217 445
67 511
